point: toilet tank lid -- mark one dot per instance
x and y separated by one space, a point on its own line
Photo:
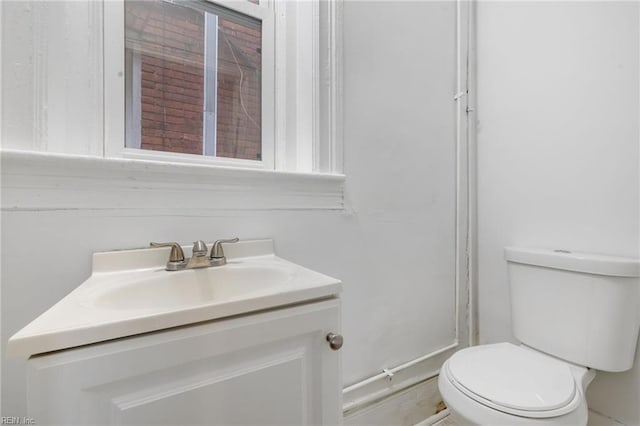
575 261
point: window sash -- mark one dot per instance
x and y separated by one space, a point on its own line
210 119
115 68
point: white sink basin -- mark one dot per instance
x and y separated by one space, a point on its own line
129 293
193 287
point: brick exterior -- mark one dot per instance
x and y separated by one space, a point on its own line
170 42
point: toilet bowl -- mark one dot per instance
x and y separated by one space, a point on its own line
509 385
573 313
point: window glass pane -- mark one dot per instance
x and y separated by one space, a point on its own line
239 78
193 79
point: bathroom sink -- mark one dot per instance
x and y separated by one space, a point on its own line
129 292
162 290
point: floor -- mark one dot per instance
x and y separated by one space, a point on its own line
595 419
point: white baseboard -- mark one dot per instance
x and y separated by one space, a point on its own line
378 388
401 396
405 408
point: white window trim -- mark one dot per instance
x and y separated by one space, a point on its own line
210 107
301 123
43 181
133 96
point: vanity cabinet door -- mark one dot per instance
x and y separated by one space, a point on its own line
271 368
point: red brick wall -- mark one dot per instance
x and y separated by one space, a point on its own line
172 76
172 79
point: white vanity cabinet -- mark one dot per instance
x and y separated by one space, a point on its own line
273 367
243 343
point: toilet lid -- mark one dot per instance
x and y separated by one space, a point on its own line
513 377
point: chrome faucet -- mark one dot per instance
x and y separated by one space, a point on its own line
199 258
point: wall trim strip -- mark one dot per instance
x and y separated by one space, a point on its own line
382 385
45 181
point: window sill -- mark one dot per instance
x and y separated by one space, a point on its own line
39 181
189 159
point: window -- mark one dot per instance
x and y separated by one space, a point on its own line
193 75
227 82
78 109
193 79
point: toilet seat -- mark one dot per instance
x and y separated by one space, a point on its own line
514 380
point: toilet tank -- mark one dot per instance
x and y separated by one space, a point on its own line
583 308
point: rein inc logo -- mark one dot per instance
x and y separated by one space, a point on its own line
13 420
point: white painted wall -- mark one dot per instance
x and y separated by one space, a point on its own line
558 129
393 244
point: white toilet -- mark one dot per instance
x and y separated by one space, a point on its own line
572 313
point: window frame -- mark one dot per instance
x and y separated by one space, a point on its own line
115 96
314 26
210 107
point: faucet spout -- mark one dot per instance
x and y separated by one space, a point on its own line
199 258
199 248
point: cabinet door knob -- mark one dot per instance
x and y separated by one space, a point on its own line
335 341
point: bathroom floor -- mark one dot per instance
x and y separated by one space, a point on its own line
595 419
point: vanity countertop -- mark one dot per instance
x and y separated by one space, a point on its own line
129 292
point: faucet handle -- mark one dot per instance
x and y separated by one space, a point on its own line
216 250
199 248
177 255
